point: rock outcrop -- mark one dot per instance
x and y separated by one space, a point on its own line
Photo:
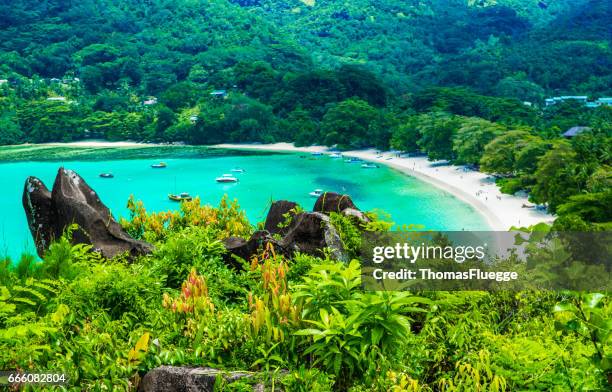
333 202
239 247
277 215
310 233
40 214
357 215
306 232
185 379
72 201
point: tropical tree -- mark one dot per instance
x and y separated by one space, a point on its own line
437 130
406 135
471 138
352 123
558 176
500 154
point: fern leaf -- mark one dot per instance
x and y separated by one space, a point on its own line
31 291
4 293
24 301
50 282
6 308
45 287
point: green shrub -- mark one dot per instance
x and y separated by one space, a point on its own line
308 380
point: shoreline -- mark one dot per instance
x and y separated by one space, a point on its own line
501 211
90 143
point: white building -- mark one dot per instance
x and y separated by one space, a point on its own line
150 101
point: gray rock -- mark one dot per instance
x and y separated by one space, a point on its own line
72 201
310 233
333 202
185 379
239 247
36 200
357 215
276 216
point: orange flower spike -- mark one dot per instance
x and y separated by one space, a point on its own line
251 303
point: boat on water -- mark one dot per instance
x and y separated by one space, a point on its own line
160 165
316 154
226 178
316 193
369 166
180 197
106 175
336 155
352 160
238 170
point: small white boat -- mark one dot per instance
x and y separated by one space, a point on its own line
238 170
369 166
336 155
226 178
316 193
316 154
180 197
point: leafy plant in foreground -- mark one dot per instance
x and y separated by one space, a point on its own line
586 315
353 334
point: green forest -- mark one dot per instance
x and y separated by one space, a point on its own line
466 81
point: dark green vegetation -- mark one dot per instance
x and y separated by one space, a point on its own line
295 71
445 78
106 322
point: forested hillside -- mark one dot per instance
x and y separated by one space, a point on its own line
488 45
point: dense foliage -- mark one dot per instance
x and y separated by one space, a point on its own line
293 70
302 324
444 78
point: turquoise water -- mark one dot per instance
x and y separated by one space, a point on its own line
267 177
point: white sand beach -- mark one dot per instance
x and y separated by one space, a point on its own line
478 189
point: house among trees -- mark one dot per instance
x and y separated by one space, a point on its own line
57 99
582 99
605 101
3 81
150 101
575 131
565 98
